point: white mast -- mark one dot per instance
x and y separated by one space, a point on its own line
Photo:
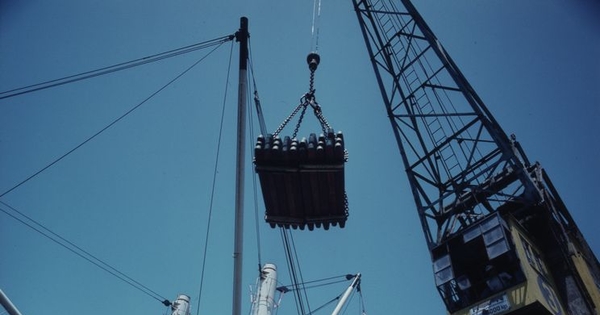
346 294
265 299
181 306
8 305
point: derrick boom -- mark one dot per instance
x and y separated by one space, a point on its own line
481 203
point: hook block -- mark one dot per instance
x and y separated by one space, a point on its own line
313 60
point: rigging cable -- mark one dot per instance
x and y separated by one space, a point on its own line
77 250
114 68
214 180
110 124
303 285
330 281
290 263
294 270
259 112
363 310
252 137
347 304
315 25
325 304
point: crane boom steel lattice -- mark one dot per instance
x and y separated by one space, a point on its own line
486 211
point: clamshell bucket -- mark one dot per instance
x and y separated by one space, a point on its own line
303 181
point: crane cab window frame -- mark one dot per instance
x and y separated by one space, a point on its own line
476 264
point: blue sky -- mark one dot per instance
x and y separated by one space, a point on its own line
138 195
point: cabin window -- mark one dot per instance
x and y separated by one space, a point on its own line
442 270
495 241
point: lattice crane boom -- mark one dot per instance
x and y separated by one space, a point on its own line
483 206
459 161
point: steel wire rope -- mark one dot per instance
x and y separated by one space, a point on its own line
286 288
315 25
326 279
363 309
252 137
300 273
316 285
214 180
324 305
290 263
294 256
79 251
327 303
114 68
109 125
321 285
347 305
295 270
251 153
259 111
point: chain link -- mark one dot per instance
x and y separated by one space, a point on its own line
287 120
300 120
311 88
307 99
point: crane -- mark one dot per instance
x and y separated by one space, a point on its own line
500 238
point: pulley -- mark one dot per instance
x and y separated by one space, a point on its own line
313 60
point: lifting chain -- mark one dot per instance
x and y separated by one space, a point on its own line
287 120
306 100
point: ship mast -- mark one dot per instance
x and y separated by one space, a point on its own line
242 37
264 301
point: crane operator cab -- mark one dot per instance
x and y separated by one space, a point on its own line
493 268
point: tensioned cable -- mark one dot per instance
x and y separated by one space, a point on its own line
253 137
300 271
294 269
259 111
315 25
77 250
331 301
212 193
346 278
325 279
251 144
348 302
324 305
291 268
304 286
114 68
363 309
109 125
